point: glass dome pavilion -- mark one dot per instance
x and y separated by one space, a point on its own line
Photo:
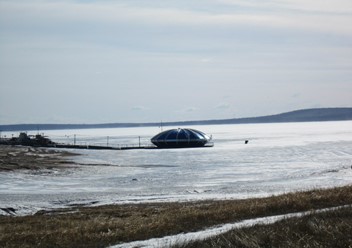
180 138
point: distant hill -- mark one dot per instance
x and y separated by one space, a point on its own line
305 115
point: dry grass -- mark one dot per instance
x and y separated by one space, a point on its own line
107 225
330 229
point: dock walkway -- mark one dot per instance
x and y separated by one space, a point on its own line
95 147
42 141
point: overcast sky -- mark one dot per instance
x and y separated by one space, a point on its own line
147 61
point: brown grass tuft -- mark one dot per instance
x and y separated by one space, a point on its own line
108 225
330 229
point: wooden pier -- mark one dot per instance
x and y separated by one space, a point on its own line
42 141
95 147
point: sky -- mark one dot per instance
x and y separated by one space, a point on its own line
171 60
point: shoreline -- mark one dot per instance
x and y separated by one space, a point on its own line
108 225
105 225
14 158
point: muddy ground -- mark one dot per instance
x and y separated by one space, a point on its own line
33 158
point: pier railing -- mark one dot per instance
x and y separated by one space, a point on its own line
83 142
104 147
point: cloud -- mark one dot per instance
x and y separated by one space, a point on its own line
191 109
223 106
186 110
330 6
139 108
172 55
206 60
113 13
296 95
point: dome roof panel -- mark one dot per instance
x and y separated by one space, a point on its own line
180 137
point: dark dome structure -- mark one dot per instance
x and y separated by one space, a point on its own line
180 138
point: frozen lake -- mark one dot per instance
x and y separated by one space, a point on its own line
279 158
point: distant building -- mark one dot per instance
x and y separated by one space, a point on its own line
181 138
29 140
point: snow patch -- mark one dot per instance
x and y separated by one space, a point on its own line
184 238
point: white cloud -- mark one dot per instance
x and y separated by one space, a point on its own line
171 56
191 109
206 60
223 106
329 6
112 13
139 108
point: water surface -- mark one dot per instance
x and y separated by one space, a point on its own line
278 158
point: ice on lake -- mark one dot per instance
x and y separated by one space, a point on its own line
278 158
